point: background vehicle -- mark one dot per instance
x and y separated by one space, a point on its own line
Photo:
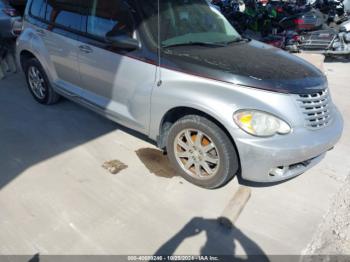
295 26
328 42
8 16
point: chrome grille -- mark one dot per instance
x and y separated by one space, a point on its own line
316 108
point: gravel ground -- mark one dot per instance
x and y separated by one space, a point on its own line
333 235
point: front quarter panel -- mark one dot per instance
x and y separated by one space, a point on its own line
218 99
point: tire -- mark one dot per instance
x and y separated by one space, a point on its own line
198 128
47 95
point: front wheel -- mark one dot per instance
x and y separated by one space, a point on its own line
201 152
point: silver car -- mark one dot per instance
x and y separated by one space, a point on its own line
220 105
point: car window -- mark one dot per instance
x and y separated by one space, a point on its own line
108 17
186 22
66 13
38 8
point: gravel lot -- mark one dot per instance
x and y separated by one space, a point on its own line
333 235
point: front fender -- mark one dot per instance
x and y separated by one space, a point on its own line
217 99
182 90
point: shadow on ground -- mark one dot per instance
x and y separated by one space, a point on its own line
158 164
219 241
35 258
31 133
338 59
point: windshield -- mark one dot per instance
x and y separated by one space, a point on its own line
188 22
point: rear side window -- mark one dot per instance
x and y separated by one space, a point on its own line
66 13
38 8
107 17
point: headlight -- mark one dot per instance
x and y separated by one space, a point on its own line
259 123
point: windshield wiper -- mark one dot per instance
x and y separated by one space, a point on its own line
238 40
196 43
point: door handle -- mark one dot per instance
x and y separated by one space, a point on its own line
86 49
41 32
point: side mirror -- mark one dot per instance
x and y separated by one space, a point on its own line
123 42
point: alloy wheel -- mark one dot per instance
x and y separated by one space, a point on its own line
197 154
36 82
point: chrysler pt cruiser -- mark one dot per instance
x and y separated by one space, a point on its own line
178 72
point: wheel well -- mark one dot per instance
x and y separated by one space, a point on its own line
179 112
175 114
24 56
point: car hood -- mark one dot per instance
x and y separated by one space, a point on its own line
252 64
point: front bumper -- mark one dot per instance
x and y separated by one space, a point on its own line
283 157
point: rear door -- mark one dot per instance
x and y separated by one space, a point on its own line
118 82
60 24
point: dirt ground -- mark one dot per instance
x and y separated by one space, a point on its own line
333 235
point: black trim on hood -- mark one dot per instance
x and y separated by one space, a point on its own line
252 64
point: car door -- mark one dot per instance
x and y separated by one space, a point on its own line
63 23
116 81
